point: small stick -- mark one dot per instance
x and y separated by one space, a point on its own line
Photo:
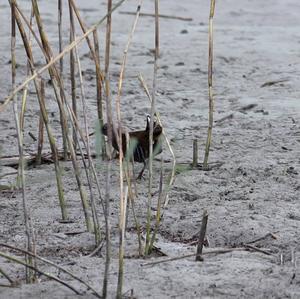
11 258
214 251
52 264
12 283
202 236
195 153
257 249
160 16
96 250
262 238
41 129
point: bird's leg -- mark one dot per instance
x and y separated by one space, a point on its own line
142 171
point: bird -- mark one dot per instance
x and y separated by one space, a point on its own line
138 143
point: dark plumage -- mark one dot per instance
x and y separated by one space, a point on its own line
140 143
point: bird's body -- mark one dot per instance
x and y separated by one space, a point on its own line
138 143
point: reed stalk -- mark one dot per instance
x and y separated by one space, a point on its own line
202 236
30 276
195 153
53 74
59 23
122 225
66 50
153 104
123 197
89 173
60 268
210 84
72 71
109 145
96 58
29 266
25 90
99 79
172 175
45 117
60 97
41 128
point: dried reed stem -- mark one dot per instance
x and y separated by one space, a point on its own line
60 13
41 128
54 74
56 58
158 207
89 173
28 228
52 264
2 272
96 58
45 117
153 104
99 79
109 145
202 236
172 176
195 153
15 260
122 225
210 85
60 97
72 70
123 197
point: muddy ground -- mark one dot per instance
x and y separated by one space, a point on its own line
252 193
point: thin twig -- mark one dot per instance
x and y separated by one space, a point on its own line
142 14
52 264
11 258
212 251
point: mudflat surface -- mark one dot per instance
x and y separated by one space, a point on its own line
253 192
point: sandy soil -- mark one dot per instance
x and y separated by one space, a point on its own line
255 190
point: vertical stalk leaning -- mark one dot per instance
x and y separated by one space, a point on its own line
61 101
45 117
72 71
89 173
122 199
41 128
109 148
28 227
210 84
153 103
96 58
99 88
60 11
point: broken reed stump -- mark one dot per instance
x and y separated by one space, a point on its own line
202 236
195 153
